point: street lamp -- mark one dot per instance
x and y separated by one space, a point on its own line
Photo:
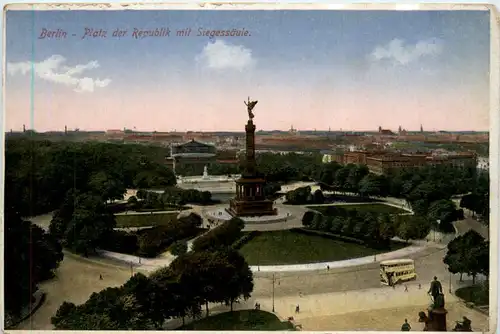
274 278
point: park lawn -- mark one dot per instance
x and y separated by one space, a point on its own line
476 294
239 321
135 220
372 207
289 247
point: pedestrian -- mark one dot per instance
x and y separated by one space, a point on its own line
256 306
327 267
406 288
297 308
406 326
100 277
419 286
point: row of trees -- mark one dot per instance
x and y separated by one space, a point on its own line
374 229
192 280
420 187
478 203
442 210
39 173
468 254
31 256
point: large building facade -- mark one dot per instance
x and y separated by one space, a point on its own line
383 162
190 158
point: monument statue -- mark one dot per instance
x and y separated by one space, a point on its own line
205 172
250 199
250 105
436 291
435 321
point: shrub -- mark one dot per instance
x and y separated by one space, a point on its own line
318 197
155 240
222 236
123 242
308 217
193 219
179 248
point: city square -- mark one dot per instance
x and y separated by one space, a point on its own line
202 210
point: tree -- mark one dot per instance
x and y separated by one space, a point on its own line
318 197
178 248
370 185
308 217
138 304
107 186
469 254
192 218
413 228
237 275
31 256
90 225
132 200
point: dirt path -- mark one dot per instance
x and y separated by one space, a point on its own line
76 280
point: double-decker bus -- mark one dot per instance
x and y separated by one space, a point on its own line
396 271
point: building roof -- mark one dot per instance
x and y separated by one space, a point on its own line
193 143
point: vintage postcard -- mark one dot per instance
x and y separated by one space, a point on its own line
252 167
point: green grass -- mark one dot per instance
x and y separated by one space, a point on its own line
289 247
372 207
250 320
134 220
476 294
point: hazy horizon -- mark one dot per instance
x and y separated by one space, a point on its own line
348 70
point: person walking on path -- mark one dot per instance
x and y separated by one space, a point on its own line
406 288
297 309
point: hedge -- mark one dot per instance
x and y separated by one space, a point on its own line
152 241
223 235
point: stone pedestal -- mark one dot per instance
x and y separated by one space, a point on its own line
437 319
250 199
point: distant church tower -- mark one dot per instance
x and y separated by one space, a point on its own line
399 129
421 128
65 129
24 128
379 129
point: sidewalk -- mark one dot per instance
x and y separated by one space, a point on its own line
136 213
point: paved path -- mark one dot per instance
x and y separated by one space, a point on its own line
136 213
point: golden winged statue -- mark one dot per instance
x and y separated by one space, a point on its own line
250 105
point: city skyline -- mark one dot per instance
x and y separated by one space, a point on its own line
351 70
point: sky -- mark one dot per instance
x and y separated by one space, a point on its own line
350 70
